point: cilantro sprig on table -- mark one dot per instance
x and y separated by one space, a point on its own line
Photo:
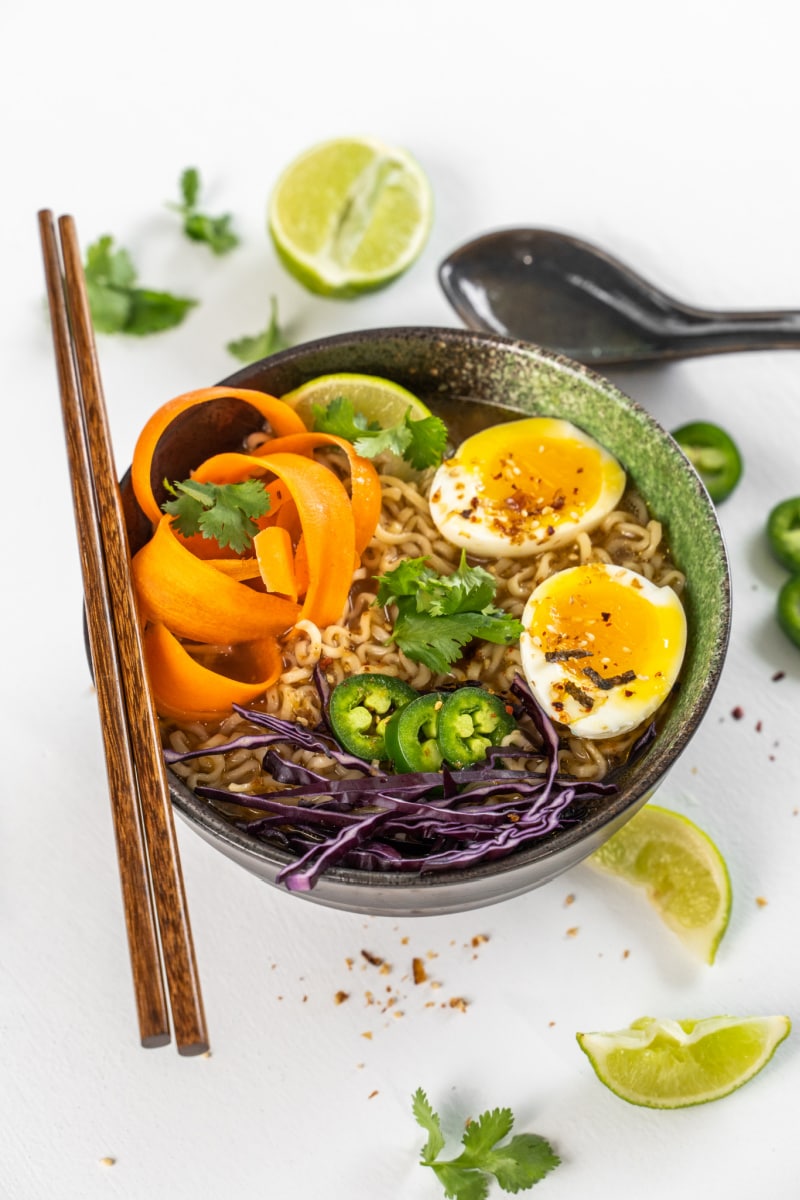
421 443
224 511
438 615
516 1165
116 303
260 345
215 232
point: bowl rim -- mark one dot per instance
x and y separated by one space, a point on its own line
257 855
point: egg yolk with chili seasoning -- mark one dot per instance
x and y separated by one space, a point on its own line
523 487
602 647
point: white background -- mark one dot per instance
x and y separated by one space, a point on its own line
666 133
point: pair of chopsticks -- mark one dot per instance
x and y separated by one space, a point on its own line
156 914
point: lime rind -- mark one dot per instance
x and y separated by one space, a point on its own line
350 215
680 870
680 1064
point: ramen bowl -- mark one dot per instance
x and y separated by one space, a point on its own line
447 367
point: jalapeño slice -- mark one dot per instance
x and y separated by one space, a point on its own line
471 720
359 709
783 533
789 609
713 454
411 735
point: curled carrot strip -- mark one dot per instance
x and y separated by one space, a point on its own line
275 558
326 519
365 484
196 601
184 689
280 415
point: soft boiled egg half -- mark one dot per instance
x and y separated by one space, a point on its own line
523 487
602 647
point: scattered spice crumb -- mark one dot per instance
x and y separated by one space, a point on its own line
435 983
372 1094
398 1012
570 899
373 959
551 1024
432 954
418 967
778 676
458 1002
108 1161
385 968
367 1035
348 962
305 999
572 931
480 939
404 941
340 997
737 713
761 901
759 727
626 953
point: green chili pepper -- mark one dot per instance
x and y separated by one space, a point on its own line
411 735
360 708
783 533
713 454
471 720
789 609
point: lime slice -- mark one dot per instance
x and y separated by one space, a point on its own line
376 399
674 1064
350 215
681 871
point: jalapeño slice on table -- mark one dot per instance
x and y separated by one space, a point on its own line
360 708
783 533
713 454
470 721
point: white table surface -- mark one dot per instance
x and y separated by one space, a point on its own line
669 136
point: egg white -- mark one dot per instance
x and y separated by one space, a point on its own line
523 487
612 623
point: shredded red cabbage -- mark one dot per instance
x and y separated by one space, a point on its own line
428 821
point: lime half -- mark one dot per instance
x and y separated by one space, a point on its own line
674 1064
680 870
377 400
350 215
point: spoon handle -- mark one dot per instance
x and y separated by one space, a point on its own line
715 332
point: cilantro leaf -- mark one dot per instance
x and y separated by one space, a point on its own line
224 511
461 1184
517 1165
429 1120
438 615
421 443
341 418
522 1162
428 439
481 1135
216 232
260 345
116 304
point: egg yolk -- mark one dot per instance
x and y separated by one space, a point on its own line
607 634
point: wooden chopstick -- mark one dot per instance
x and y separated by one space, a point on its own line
147 847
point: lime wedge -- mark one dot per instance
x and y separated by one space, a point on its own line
350 215
674 1064
374 398
680 870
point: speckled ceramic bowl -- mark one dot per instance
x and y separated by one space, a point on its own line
522 380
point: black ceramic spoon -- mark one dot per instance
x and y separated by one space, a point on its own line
541 286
